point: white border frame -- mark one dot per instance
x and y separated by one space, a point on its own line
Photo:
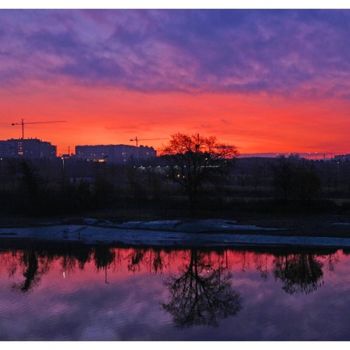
176 4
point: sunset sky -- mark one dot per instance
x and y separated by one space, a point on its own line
265 81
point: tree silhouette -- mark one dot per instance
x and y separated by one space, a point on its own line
157 263
103 257
195 160
300 273
136 259
295 179
36 261
32 272
201 295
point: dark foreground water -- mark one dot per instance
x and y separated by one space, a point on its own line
113 293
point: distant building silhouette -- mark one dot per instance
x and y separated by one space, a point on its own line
114 153
27 148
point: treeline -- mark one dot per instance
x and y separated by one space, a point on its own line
166 187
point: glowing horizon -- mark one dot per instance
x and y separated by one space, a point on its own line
265 81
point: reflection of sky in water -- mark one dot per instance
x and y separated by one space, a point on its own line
68 301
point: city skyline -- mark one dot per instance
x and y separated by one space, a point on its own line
72 151
265 81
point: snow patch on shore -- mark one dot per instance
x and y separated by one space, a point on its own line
341 224
110 235
192 226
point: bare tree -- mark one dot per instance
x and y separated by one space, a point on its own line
195 160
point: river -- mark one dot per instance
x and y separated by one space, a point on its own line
78 292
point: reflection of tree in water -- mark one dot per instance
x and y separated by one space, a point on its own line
201 283
201 295
152 257
136 259
36 261
261 263
300 273
103 257
158 263
32 272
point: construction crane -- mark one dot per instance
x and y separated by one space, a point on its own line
22 123
136 140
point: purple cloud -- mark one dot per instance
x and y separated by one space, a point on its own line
274 51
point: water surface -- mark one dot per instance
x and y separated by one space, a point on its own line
65 292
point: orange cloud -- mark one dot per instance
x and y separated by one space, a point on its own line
252 122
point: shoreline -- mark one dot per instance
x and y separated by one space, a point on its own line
208 233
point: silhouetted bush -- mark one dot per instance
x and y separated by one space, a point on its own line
294 180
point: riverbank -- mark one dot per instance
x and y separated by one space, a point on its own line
172 233
324 225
